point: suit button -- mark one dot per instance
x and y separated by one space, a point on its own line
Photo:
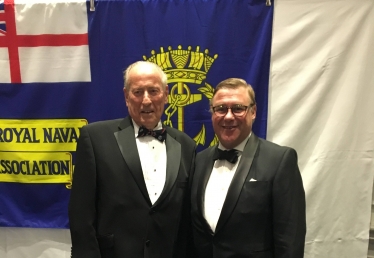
147 242
152 211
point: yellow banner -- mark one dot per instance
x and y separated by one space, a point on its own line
36 167
38 150
39 134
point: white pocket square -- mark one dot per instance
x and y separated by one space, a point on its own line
252 180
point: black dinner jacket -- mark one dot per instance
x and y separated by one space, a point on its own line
263 215
110 211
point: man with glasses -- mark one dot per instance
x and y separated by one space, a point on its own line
248 198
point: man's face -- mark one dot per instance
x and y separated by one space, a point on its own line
230 129
145 98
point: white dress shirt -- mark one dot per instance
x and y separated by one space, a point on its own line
218 185
152 154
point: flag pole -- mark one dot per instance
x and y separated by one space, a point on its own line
92 5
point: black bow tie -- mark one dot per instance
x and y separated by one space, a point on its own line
158 134
230 155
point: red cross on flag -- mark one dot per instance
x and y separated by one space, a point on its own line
43 41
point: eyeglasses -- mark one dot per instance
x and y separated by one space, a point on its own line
236 110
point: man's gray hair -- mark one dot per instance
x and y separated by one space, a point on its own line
139 64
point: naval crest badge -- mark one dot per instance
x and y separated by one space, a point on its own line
185 68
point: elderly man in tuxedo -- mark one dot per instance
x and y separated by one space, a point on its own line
248 199
130 195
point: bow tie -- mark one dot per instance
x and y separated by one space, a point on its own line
158 134
229 155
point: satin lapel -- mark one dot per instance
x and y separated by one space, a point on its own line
205 172
126 143
238 181
173 161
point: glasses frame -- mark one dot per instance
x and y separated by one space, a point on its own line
233 113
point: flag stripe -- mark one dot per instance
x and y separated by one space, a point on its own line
52 40
10 19
46 40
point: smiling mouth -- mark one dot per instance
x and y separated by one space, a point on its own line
229 127
146 112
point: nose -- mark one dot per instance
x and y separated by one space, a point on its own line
229 114
146 98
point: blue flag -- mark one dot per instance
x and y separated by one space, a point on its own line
60 74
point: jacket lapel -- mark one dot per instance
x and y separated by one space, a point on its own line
127 145
205 171
238 181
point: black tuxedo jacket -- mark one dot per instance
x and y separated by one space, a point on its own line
110 211
263 215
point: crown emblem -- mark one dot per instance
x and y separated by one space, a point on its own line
183 64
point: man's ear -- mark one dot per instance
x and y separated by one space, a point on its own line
166 93
125 94
254 111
